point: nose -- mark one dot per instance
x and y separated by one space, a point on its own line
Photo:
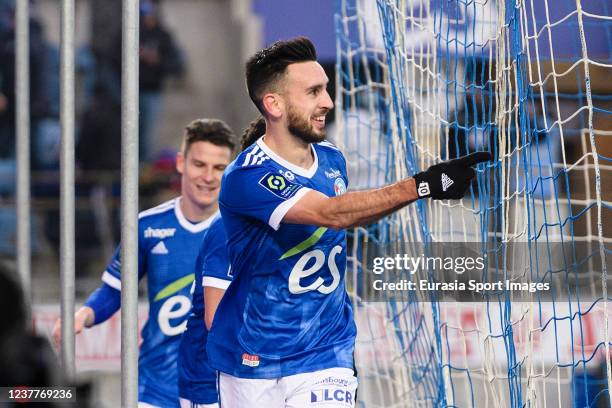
327 102
208 174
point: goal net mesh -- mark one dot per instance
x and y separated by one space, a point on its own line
422 81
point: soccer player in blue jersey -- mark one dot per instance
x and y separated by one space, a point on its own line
169 240
284 333
197 379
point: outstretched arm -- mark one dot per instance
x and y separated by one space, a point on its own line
351 209
100 306
446 180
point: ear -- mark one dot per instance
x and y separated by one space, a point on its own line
273 104
180 162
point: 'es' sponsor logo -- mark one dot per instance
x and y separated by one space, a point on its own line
159 232
326 395
250 360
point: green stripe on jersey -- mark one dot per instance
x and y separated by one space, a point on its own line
304 245
175 286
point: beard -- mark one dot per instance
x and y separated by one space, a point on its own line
303 129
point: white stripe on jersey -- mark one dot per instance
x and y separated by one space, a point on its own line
329 144
168 205
213 282
247 158
263 159
254 157
111 280
259 158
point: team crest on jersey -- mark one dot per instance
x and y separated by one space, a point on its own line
250 360
279 185
339 186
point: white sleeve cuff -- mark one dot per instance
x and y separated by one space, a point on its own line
111 280
215 282
279 212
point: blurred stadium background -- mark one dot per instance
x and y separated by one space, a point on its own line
207 42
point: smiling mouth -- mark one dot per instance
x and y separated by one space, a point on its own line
206 189
319 120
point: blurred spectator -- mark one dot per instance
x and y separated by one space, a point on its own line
98 156
38 90
39 108
98 153
47 133
99 142
160 58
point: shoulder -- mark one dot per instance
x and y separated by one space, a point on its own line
330 151
326 145
216 230
157 211
252 157
252 162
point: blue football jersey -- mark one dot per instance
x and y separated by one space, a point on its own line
168 245
197 380
287 310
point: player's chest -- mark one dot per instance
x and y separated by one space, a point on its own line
329 180
170 257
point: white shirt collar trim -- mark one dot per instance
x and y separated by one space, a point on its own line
195 228
308 173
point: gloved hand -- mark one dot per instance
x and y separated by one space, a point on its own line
449 179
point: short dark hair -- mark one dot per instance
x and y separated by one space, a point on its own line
256 129
214 131
267 66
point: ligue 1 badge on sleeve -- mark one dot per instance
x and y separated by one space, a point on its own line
339 186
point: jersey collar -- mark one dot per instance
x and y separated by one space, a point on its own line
195 228
308 173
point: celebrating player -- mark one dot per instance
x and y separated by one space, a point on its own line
169 239
287 334
197 380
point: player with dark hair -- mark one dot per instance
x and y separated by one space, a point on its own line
287 334
169 240
197 380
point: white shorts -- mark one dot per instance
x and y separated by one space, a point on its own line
330 388
185 403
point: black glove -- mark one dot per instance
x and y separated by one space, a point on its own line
449 179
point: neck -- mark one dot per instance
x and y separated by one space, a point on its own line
288 146
195 213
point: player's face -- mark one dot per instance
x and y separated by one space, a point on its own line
307 101
201 169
